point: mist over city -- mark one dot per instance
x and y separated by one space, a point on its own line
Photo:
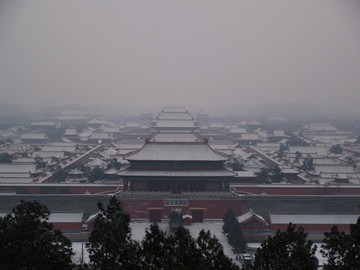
218 135
208 55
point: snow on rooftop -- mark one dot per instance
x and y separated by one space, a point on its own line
175 123
17 168
65 217
175 116
313 218
176 173
176 152
248 215
175 137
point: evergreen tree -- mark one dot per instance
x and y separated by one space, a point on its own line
156 249
110 245
185 254
336 149
213 257
181 252
114 163
308 164
5 158
233 231
288 249
342 250
97 174
28 241
297 157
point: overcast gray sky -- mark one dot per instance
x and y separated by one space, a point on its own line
210 55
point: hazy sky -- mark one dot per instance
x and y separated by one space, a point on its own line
211 55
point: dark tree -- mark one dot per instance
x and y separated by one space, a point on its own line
297 157
336 149
237 166
97 174
114 163
263 175
5 158
288 249
156 249
297 141
180 251
212 253
267 174
40 163
60 175
110 245
342 250
308 164
233 231
185 254
28 241
276 175
282 149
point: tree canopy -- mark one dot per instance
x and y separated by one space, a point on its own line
233 231
288 249
28 241
110 245
179 251
342 250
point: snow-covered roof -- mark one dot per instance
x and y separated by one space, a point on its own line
319 150
175 116
17 168
70 132
175 137
237 130
249 136
100 136
63 148
48 154
249 215
110 152
44 123
176 152
65 217
112 171
335 169
16 180
313 218
96 162
175 124
75 171
33 136
173 173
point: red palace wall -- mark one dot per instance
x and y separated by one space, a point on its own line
67 226
212 209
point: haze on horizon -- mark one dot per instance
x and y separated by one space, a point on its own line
207 55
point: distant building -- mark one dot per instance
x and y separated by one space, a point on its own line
176 163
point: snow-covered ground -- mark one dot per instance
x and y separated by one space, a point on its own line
138 233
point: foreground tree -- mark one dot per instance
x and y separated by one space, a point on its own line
233 231
180 251
213 257
286 250
110 245
342 250
28 241
156 249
